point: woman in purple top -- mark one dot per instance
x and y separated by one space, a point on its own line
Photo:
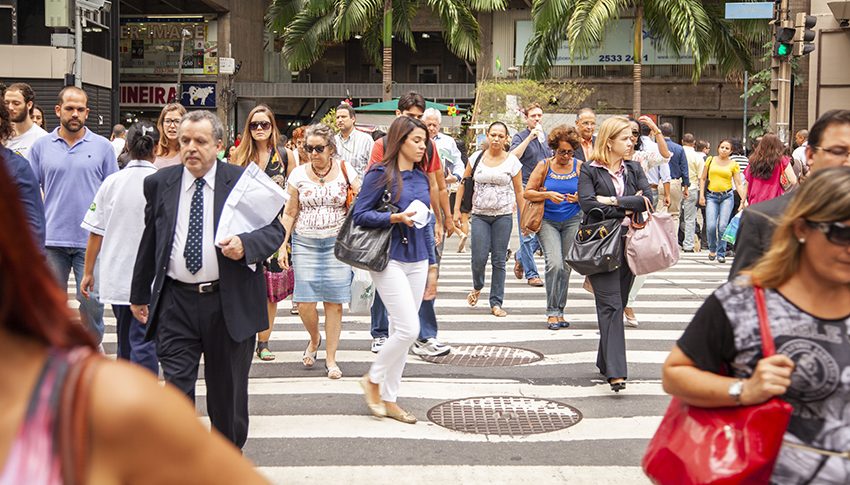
764 173
402 284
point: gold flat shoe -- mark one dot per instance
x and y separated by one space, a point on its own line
402 416
378 409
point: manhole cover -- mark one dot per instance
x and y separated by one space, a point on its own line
504 415
486 356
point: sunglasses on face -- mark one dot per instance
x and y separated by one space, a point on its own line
259 125
563 152
835 232
317 148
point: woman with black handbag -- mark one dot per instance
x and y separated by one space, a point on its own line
611 186
401 180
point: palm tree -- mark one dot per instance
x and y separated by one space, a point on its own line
685 26
310 26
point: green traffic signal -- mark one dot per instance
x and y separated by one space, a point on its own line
783 49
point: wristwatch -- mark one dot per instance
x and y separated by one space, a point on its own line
736 389
614 200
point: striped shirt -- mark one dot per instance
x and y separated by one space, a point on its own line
355 150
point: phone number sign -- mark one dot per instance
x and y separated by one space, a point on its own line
617 48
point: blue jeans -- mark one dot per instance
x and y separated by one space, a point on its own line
427 315
62 261
131 340
557 238
718 209
492 234
525 254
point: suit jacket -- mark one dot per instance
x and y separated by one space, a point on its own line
595 181
242 291
579 151
755 231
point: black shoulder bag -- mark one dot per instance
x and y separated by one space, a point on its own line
469 187
366 247
597 247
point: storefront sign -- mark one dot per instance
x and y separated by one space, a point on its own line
194 95
198 95
617 48
152 46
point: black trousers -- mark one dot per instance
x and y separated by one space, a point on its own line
191 324
611 291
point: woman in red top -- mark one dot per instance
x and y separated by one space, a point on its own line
765 172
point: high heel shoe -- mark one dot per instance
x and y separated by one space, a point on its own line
617 386
378 409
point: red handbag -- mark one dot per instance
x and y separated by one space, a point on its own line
733 445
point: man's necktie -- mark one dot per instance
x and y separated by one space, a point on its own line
195 236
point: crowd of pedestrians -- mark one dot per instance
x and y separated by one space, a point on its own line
144 238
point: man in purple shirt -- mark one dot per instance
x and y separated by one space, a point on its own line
70 164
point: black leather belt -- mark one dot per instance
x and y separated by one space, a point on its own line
207 287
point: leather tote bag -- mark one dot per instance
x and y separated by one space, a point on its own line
653 244
532 212
366 247
469 187
734 445
597 248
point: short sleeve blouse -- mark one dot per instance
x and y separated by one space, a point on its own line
494 191
322 207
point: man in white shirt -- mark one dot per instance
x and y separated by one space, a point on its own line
446 148
696 163
119 138
799 154
354 146
19 99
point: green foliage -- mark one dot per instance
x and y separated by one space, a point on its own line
330 120
553 96
758 93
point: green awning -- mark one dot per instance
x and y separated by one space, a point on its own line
392 105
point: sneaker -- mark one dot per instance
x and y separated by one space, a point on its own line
430 348
721 259
377 343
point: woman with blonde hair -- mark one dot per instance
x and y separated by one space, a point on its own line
168 149
616 188
805 280
263 145
312 218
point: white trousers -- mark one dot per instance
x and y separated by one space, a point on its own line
401 286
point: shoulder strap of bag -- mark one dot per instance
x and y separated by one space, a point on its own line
344 172
74 422
768 347
475 165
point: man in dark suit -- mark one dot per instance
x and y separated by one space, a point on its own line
195 298
585 125
829 146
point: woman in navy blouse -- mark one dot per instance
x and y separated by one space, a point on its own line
402 284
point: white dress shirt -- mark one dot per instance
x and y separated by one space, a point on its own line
209 262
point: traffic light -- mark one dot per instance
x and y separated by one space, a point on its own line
803 34
783 42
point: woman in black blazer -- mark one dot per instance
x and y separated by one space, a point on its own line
617 187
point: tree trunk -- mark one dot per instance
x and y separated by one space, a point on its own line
387 67
638 58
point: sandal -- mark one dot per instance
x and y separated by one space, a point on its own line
498 312
309 358
263 351
333 372
472 297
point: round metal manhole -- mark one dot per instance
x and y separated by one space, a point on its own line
504 415
486 356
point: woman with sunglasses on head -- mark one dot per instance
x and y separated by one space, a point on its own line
498 190
805 276
556 180
312 218
402 179
168 149
263 145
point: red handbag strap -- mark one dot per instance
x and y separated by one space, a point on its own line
767 346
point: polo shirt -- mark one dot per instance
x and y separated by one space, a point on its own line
70 177
118 214
534 152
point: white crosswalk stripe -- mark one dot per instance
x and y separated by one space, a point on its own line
306 428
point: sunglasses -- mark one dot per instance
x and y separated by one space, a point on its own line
835 232
565 152
259 125
317 148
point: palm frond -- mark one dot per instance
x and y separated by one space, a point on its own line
372 42
281 12
542 48
308 34
460 27
487 5
589 22
687 28
354 16
404 11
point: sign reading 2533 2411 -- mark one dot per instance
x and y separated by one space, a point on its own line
603 58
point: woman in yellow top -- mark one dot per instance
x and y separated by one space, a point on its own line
715 194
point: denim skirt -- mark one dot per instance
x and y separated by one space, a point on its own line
319 276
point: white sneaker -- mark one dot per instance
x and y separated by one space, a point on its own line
377 343
430 348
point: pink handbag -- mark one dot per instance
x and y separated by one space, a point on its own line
652 245
279 285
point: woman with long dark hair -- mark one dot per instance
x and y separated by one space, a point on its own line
131 420
768 164
401 176
263 145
